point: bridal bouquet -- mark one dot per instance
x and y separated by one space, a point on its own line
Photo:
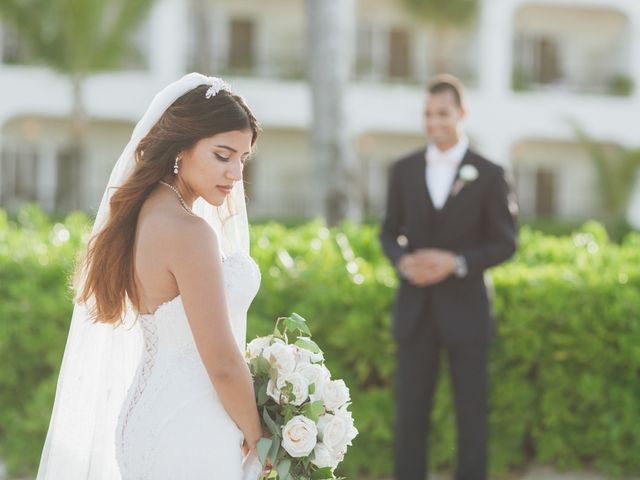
303 408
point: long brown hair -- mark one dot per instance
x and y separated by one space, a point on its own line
108 268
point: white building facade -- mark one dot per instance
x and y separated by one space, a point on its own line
533 70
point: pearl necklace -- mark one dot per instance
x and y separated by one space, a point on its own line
182 202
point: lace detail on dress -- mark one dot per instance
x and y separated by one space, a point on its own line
150 333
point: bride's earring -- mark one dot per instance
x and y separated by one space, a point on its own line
175 166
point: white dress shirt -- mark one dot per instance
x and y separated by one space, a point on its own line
442 168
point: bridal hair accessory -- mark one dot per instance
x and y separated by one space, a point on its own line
217 84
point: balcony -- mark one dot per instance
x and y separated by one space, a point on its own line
555 49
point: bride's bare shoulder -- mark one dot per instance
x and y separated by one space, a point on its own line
177 232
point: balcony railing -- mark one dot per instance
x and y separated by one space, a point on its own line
604 82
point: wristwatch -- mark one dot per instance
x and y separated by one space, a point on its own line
460 266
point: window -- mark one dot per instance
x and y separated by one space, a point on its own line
241 51
398 54
537 59
14 50
545 193
536 189
69 174
18 174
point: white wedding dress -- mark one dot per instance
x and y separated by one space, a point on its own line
172 424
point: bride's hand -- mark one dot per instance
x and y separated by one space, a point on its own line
267 468
246 451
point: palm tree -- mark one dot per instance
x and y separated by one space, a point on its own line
330 25
76 38
443 15
616 169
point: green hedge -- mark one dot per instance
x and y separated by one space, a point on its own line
565 365
35 307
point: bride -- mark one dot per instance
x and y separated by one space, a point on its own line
153 383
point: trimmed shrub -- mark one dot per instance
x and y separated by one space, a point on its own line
565 365
36 258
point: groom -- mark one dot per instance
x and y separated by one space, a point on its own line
450 216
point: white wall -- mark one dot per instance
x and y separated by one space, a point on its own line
391 114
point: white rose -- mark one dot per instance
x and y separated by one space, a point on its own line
299 436
352 432
468 173
315 374
281 357
334 432
300 386
307 356
335 394
339 456
256 346
273 391
323 457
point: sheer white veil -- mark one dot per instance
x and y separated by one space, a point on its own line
100 360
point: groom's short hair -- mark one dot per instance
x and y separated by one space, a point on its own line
447 83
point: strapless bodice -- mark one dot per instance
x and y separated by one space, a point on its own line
172 382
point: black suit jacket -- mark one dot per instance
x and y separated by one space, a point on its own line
478 223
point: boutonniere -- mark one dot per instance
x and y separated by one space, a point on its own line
467 174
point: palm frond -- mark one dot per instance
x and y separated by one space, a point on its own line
616 171
443 12
76 36
126 15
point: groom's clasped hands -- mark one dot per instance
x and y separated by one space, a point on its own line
426 266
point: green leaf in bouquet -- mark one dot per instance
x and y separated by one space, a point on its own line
288 417
273 376
278 416
275 447
313 410
261 366
261 395
276 331
296 322
283 468
308 344
312 388
271 425
288 412
322 474
287 392
282 454
273 475
263 446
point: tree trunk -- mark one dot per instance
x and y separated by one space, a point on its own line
203 52
330 26
440 63
71 162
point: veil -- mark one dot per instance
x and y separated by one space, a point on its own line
100 360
